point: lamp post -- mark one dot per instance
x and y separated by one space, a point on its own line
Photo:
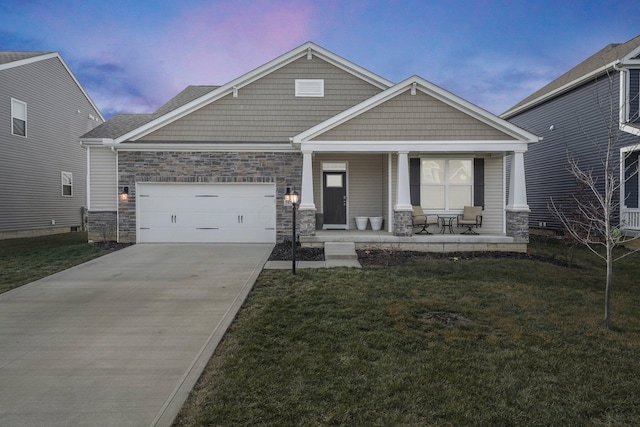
291 197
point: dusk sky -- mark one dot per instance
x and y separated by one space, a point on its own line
132 56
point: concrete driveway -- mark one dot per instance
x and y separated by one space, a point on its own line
120 340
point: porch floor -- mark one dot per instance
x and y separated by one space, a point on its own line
369 239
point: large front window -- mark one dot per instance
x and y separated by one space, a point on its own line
446 184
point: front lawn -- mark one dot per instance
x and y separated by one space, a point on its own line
446 342
25 260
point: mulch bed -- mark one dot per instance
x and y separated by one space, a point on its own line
372 257
282 252
379 257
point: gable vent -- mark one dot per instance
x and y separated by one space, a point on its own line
310 88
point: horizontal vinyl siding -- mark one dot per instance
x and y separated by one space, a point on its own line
493 213
577 123
366 181
30 167
413 118
267 110
104 183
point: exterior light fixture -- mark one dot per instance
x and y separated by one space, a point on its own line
292 198
124 195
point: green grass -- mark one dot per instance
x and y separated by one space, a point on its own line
25 260
355 347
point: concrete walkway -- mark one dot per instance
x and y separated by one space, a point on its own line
120 340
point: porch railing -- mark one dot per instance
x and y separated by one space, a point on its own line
631 219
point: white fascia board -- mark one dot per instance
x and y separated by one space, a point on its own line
248 78
29 60
96 142
203 147
571 85
431 90
413 146
628 59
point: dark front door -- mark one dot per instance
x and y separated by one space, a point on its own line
334 186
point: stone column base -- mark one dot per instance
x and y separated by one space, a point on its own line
402 223
518 224
307 222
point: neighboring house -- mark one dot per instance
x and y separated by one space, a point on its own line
43 167
213 164
570 114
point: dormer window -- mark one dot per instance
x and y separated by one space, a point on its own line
310 88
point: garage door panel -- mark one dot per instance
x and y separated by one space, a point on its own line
234 213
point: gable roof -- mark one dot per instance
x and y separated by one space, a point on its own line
613 55
418 83
124 123
12 59
306 49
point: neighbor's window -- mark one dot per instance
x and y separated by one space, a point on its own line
310 88
446 183
67 184
18 117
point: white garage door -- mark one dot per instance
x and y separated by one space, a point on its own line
203 213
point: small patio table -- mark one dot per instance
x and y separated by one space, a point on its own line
447 222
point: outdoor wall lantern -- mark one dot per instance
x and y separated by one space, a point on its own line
292 198
124 195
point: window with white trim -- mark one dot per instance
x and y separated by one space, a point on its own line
310 88
67 184
446 184
18 117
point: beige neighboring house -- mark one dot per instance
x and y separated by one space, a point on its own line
43 167
214 163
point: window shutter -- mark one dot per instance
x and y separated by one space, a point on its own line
631 181
478 182
414 181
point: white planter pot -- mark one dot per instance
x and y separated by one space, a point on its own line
376 222
361 222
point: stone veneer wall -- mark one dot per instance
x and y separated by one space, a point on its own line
282 168
518 225
102 225
402 223
307 222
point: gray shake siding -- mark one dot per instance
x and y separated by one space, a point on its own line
579 129
413 118
267 110
58 112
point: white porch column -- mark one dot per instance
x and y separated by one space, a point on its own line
306 196
403 192
517 184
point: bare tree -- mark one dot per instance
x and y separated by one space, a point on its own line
592 220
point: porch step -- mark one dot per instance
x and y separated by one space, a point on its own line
340 250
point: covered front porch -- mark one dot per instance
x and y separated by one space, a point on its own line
414 144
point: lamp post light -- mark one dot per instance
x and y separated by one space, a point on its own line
292 197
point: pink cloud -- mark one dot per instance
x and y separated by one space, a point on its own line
213 44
